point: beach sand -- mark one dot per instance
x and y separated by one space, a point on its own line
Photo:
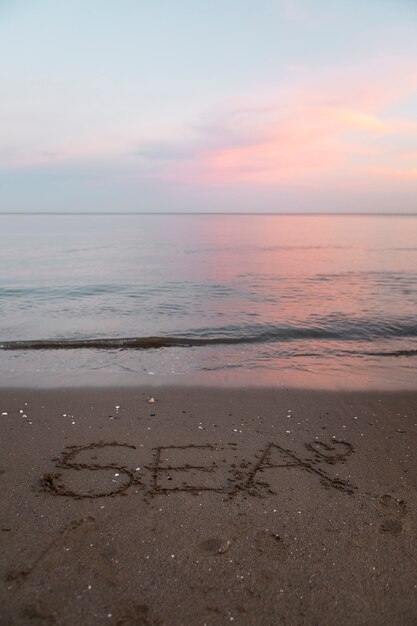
207 506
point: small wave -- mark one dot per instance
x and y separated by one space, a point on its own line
382 353
334 328
124 343
64 292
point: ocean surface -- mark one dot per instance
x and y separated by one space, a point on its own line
315 301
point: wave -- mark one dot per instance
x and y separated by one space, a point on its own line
382 353
336 328
137 343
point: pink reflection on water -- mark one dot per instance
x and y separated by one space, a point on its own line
307 265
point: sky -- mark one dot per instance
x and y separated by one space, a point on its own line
220 106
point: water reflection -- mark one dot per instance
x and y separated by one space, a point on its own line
343 288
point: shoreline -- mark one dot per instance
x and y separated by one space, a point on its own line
335 379
208 506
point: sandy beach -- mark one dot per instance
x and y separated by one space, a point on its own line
207 506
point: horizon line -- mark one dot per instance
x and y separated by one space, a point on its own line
194 213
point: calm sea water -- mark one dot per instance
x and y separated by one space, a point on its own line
310 300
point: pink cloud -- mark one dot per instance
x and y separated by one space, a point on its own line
305 136
400 174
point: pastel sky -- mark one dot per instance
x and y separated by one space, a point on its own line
220 106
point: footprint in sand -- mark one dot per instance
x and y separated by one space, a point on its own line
216 545
129 614
394 511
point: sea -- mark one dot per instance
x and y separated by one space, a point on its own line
315 301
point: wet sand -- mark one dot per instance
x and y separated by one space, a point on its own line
207 506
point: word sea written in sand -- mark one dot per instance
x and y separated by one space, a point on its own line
96 470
